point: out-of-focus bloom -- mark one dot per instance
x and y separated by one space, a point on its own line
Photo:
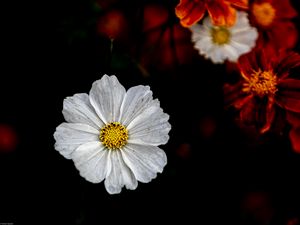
266 89
222 12
273 21
219 43
112 134
165 43
258 206
8 138
113 24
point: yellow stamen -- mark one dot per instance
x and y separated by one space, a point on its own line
220 35
261 83
264 13
113 135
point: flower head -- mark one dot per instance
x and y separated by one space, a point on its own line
273 21
112 134
222 12
266 88
220 43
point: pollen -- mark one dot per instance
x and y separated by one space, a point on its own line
220 35
113 135
261 83
264 13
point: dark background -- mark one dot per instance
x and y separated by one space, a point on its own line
215 170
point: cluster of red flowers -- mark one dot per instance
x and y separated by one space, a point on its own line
268 91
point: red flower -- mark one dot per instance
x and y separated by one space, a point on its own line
221 12
266 89
273 21
165 44
112 24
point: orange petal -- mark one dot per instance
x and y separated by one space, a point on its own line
184 8
221 13
190 12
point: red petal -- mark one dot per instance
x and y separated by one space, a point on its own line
278 35
233 95
293 119
258 112
256 60
247 113
247 64
221 13
295 139
243 4
190 12
286 61
288 96
284 9
270 114
289 84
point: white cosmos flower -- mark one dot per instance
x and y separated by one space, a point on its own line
112 134
219 43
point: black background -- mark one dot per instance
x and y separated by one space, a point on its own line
46 58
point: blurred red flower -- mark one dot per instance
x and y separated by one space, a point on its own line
266 87
113 25
8 138
165 44
222 12
272 18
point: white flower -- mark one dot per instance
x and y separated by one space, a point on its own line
220 43
112 134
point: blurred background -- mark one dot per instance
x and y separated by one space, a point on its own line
217 173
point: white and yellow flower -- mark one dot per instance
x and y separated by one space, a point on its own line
112 134
220 43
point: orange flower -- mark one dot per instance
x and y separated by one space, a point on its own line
273 20
266 90
221 12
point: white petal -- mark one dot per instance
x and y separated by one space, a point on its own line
231 53
248 37
151 127
217 54
204 44
242 23
135 101
106 97
199 32
240 48
119 175
78 109
69 136
92 161
144 161
207 23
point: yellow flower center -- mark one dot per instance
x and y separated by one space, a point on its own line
220 35
261 83
113 135
264 13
